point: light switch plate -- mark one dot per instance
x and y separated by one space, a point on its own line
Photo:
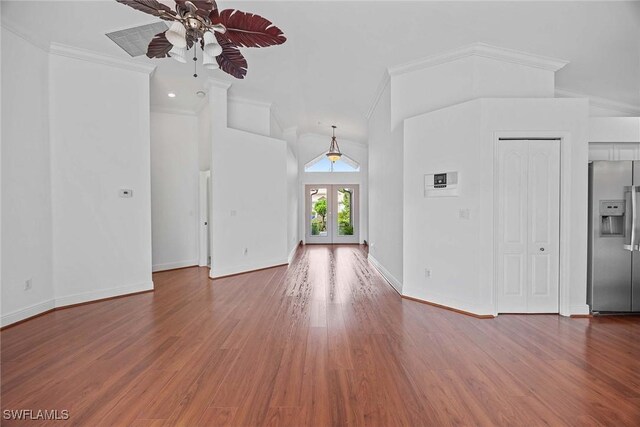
464 213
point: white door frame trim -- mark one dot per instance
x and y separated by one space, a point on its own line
203 230
564 283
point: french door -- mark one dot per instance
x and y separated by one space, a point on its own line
331 214
529 226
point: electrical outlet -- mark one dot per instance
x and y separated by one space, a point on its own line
27 284
464 213
427 273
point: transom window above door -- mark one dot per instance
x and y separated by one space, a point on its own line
323 164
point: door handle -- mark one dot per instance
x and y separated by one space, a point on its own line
630 218
634 217
633 199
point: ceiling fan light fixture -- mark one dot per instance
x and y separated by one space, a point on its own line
211 46
209 62
177 35
179 54
219 33
334 153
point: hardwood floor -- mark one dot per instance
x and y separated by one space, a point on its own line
323 342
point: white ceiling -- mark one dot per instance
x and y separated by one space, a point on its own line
336 53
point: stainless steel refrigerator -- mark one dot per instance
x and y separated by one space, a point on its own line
614 236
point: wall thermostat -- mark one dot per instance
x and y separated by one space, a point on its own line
441 184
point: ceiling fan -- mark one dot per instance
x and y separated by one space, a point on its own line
220 34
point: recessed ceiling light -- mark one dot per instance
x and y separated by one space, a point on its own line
171 95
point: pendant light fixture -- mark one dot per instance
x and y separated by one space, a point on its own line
334 153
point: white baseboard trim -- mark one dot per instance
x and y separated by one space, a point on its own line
215 272
293 253
453 304
101 294
395 283
25 313
580 310
174 265
34 310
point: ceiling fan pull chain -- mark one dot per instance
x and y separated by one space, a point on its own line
195 61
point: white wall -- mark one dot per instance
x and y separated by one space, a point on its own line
385 191
276 130
293 214
249 206
248 195
311 146
174 190
204 139
249 116
100 144
460 252
434 236
26 190
464 74
614 129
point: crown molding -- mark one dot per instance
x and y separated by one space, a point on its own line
24 36
165 110
246 101
386 78
483 50
596 101
220 84
99 58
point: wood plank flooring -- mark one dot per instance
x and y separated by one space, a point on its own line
323 342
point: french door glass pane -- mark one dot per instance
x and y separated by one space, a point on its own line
318 211
344 197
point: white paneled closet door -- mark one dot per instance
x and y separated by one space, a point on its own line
529 226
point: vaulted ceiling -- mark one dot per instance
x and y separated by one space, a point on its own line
336 53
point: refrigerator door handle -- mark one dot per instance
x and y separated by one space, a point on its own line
631 191
634 217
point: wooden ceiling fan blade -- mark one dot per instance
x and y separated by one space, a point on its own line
207 5
152 7
159 47
249 30
231 60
